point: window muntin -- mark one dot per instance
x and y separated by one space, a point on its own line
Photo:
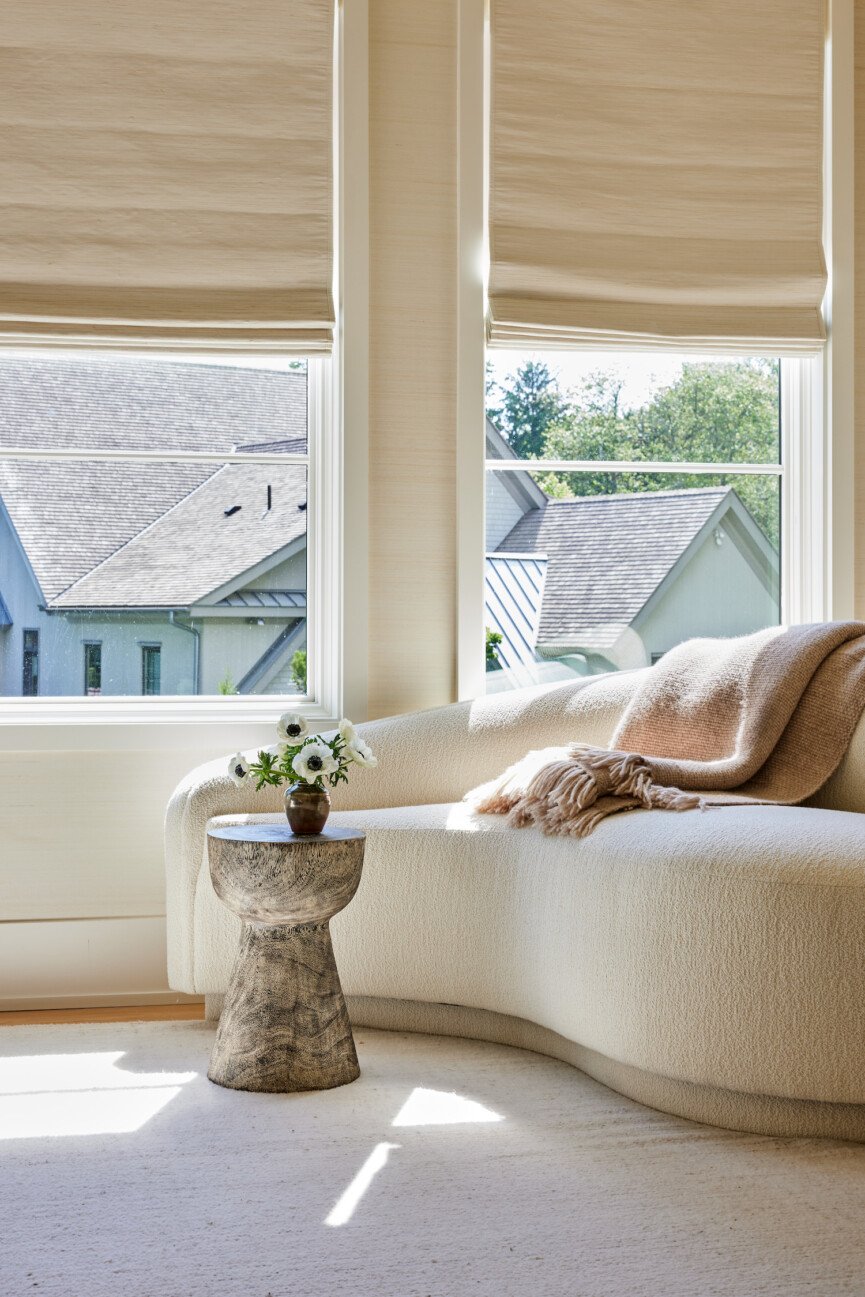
642 507
189 523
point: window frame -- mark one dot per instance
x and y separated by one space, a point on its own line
817 505
323 562
337 566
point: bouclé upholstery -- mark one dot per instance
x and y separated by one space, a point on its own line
710 963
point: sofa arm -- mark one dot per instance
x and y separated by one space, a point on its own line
424 757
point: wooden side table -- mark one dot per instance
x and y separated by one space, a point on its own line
284 1025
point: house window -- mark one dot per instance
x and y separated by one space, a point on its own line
632 501
151 668
162 500
30 665
93 668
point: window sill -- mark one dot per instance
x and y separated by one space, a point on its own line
145 723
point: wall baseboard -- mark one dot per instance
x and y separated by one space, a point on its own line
33 1003
84 962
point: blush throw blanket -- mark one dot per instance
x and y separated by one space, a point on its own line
765 718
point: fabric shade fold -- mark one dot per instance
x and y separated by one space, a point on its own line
656 172
166 173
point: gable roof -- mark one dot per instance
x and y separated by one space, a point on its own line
607 555
215 534
72 516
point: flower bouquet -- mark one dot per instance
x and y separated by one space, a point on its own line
305 761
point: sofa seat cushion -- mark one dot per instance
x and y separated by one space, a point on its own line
723 948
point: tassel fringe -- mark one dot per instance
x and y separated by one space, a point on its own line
570 796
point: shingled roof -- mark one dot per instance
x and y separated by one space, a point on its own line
217 532
118 403
73 516
607 555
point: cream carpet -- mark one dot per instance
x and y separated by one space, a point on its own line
450 1169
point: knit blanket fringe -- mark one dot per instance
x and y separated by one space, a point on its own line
571 795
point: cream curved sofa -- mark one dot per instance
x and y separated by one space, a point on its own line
711 964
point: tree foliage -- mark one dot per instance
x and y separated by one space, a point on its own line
715 412
525 409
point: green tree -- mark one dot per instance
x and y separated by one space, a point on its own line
298 670
595 427
726 412
493 640
525 407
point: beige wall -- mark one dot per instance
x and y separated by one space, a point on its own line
859 307
413 283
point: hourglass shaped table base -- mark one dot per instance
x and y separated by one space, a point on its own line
284 1024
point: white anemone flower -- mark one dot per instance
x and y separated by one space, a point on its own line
347 731
359 751
313 761
238 769
277 749
292 728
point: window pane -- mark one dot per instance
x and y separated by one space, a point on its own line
634 406
92 669
99 561
136 403
30 664
151 668
586 575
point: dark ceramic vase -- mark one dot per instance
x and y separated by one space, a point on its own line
307 807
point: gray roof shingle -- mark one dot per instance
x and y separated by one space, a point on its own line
194 548
607 554
118 403
71 516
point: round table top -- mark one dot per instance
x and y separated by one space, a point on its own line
281 833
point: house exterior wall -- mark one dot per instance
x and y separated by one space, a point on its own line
718 593
231 646
62 653
289 575
21 596
228 646
503 512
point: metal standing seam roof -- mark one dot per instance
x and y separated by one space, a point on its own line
513 592
606 556
263 599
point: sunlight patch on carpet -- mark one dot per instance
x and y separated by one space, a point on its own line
441 1108
344 1208
80 1094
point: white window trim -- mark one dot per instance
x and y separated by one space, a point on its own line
337 514
322 565
816 390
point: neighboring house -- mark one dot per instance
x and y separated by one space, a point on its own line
130 578
615 581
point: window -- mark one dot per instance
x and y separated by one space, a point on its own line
30 666
151 668
158 500
92 668
632 501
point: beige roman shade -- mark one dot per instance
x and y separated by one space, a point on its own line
656 171
166 172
